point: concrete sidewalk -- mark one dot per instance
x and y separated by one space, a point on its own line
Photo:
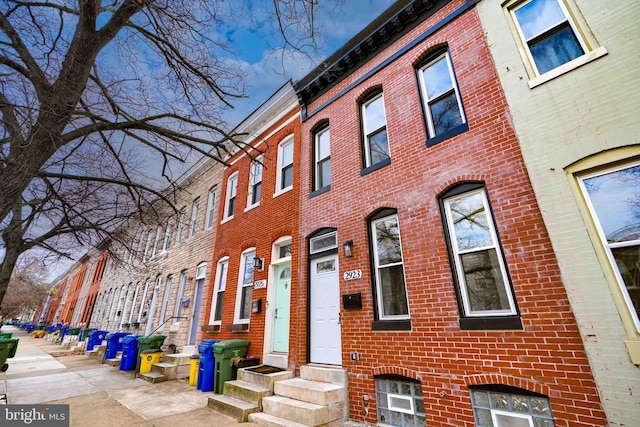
98 394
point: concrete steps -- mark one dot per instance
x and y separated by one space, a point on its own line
317 398
172 367
244 395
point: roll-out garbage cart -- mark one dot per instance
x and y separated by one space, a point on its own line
114 344
8 348
150 342
95 338
148 358
223 352
194 363
85 333
206 366
6 335
129 358
74 331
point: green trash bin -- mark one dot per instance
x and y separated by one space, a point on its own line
8 348
85 333
223 352
151 342
74 331
6 335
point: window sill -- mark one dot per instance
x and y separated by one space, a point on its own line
490 323
227 219
448 134
569 66
320 191
633 347
391 325
238 327
375 167
248 208
210 328
280 192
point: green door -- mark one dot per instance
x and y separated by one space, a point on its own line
281 312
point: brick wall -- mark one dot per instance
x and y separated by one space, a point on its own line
547 355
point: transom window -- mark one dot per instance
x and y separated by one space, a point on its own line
391 292
323 242
505 409
550 36
400 402
614 202
374 126
322 159
441 98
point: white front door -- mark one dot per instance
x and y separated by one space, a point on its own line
281 311
324 329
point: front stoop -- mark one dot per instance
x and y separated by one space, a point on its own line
317 398
172 367
98 351
244 396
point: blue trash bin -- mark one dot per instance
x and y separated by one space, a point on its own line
95 338
129 353
114 344
206 367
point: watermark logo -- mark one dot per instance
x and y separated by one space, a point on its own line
34 415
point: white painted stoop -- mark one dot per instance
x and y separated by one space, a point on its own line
317 398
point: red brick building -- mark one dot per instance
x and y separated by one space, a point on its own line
425 268
254 271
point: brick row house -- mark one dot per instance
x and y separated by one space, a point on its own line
430 275
385 219
569 69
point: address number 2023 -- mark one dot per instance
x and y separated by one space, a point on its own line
353 274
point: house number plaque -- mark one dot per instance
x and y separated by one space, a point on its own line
353 274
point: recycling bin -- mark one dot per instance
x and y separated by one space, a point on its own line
194 362
8 347
223 352
148 358
85 333
95 338
129 358
114 344
30 327
206 366
151 342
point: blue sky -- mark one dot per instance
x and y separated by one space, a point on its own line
260 52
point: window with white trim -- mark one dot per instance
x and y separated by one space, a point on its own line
502 406
177 312
167 235
211 202
391 298
400 402
374 129
156 241
284 175
194 217
613 199
255 183
321 159
549 35
230 198
147 245
479 271
182 216
218 292
245 286
442 103
165 298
